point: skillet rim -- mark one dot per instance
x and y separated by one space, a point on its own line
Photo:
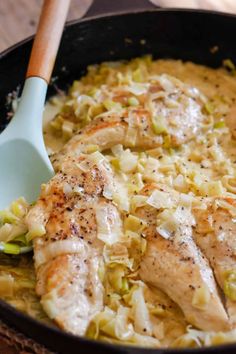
5 307
14 46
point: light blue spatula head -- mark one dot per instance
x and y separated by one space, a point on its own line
24 163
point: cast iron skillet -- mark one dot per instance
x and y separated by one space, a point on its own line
179 34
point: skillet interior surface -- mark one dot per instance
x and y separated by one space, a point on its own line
178 34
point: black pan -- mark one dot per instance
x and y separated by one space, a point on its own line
179 34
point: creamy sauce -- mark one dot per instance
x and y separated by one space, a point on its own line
210 157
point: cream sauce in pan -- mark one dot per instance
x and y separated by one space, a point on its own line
185 246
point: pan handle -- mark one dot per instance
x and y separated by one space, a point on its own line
100 7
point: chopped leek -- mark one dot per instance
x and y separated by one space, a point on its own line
19 207
167 142
159 125
133 101
160 200
128 161
137 75
37 231
134 223
214 188
116 276
67 129
201 297
13 248
230 284
219 125
112 106
209 108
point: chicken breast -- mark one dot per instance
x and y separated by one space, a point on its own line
215 234
180 270
68 256
171 107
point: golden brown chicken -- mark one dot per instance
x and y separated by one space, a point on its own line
180 269
68 256
215 235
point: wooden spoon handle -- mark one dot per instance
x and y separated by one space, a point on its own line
47 39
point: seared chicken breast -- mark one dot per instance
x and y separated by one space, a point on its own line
68 256
180 269
175 108
215 235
